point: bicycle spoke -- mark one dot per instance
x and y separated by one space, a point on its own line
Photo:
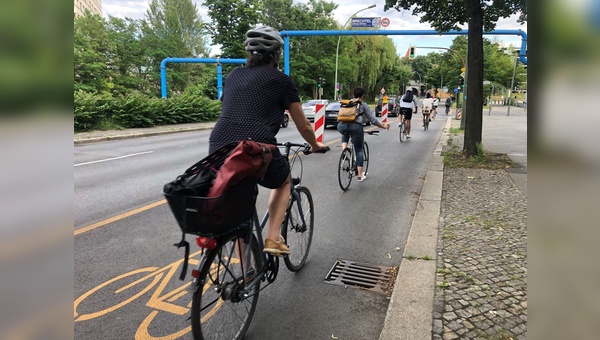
345 169
219 307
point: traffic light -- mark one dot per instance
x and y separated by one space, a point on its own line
461 80
411 54
319 82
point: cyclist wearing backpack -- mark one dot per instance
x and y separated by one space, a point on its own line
408 105
355 129
245 117
427 108
448 103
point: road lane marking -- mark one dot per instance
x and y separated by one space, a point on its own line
144 208
113 158
119 217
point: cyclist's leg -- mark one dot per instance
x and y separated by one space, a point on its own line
358 136
408 120
277 178
343 129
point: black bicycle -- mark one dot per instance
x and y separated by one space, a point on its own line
228 278
402 129
347 166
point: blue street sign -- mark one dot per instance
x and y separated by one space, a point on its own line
455 90
366 22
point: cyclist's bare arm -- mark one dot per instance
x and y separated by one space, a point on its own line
304 126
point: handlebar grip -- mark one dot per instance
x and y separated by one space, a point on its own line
323 150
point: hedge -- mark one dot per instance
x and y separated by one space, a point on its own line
101 111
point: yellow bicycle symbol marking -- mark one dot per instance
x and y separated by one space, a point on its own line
157 301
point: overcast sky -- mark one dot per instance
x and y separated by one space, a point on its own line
398 21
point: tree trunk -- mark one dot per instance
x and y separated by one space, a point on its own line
474 103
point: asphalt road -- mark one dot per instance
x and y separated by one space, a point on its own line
124 233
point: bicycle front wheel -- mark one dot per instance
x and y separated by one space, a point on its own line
365 158
298 231
220 309
345 169
401 132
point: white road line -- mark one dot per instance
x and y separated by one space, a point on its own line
112 159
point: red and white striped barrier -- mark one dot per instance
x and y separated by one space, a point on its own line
384 113
319 122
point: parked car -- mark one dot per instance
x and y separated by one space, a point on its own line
286 119
331 115
309 108
393 107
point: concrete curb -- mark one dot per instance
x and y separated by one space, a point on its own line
409 316
83 140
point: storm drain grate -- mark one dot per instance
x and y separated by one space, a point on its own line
365 276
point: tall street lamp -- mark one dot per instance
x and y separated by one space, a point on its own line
337 50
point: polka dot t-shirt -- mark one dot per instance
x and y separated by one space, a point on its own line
253 103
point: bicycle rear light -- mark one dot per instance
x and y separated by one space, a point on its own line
195 273
206 242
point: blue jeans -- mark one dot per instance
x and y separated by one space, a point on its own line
355 131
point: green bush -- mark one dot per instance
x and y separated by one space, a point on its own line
98 111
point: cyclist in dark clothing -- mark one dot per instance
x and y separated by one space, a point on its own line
254 99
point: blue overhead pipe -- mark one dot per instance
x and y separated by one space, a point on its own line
287 34
218 61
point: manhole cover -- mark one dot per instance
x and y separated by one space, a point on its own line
365 276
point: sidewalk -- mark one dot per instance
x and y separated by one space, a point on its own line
473 223
99 136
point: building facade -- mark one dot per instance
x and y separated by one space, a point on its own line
94 6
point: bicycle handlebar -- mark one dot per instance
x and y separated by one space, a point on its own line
323 150
305 146
374 132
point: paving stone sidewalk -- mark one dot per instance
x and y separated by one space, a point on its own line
481 277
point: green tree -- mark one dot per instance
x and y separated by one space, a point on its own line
92 52
128 57
173 28
230 20
445 15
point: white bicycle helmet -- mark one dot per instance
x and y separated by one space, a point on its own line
262 39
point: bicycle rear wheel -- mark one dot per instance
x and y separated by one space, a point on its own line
365 158
401 132
345 169
426 124
220 310
298 235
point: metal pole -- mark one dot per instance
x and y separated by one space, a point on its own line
464 105
491 100
512 84
337 51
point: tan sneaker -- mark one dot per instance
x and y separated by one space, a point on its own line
276 248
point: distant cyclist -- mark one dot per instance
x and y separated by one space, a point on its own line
427 108
355 130
448 104
243 117
436 103
408 106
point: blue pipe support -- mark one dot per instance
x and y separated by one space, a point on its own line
286 48
218 61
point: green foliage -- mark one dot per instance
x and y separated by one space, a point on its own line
446 15
230 20
97 111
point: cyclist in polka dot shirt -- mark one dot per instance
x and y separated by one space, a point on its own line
254 99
